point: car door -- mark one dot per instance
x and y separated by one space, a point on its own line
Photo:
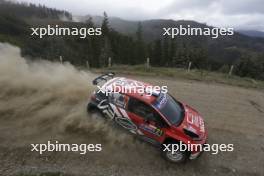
148 121
118 103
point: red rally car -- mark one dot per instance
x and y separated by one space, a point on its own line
154 116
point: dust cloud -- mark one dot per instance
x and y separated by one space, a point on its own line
43 100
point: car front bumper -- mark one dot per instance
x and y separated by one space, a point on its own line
195 155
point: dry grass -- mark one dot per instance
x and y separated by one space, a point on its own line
203 76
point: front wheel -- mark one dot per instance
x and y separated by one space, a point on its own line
175 157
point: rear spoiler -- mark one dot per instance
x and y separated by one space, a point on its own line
104 77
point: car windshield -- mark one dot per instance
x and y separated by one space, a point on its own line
171 109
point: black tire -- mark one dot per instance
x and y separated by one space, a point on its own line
92 109
176 157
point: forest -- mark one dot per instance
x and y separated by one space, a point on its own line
245 53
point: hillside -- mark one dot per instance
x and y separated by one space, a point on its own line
224 49
252 33
127 42
153 28
29 10
16 19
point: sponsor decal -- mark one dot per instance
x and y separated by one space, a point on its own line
119 115
161 101
151 129
195 120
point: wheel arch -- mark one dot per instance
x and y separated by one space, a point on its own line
170 140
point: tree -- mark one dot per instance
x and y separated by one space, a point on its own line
181 56
139 32
140 45
105 25
201 59
165 52
157 53
172 51
248 67
106 49
89 22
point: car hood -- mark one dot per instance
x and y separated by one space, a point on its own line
193 121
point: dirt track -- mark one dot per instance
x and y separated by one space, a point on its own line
45 101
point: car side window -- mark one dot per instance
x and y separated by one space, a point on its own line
158 119
139 108
117 99
145 111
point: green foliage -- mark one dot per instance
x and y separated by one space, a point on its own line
251 67
27 10
224 69
140 53
246 54
105 25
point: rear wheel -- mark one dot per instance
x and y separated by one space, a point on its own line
90 108
93 110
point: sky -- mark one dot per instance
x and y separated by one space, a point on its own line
240 14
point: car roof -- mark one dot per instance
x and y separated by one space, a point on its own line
138 88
